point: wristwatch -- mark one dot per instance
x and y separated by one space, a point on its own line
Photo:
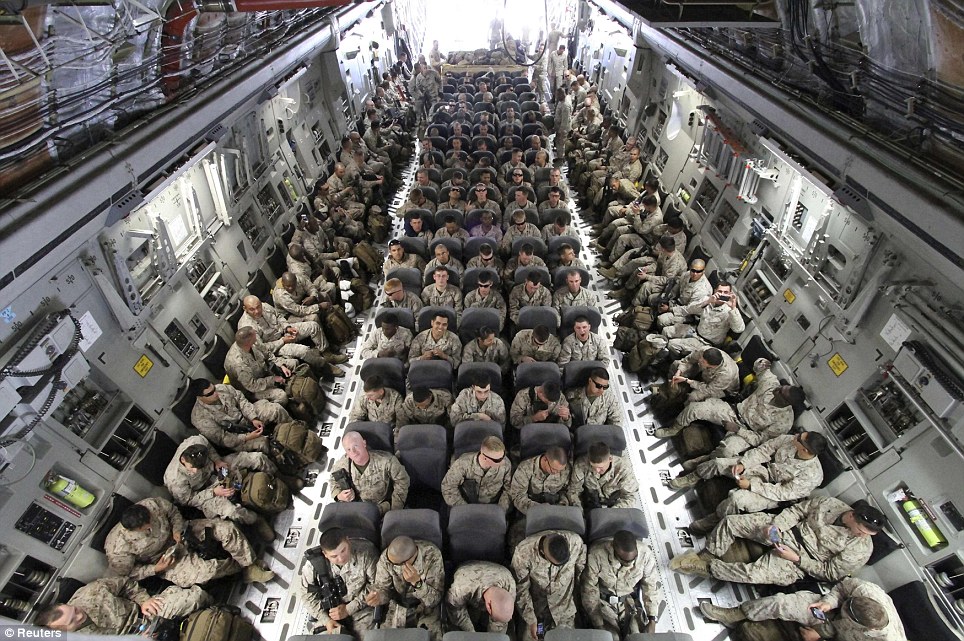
419 584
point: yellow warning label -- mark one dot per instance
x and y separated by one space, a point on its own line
837 364
789 295
143 366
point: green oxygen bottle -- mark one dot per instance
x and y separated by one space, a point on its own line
927 530
69 490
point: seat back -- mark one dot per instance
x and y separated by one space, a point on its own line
411 278
467 371
153 462
405 316
391 370
557 241
522 274
423 450
427 313
532 374
536 438
538 246
549 215
259 286
605 522
418 524
534 315
396 634
415 246
611 435
118 504
581 634
378 436
470 542
921 618
442 214
360 519
468 435
184 403
576 373
475 317
454 246
570 314
276 260
213 358
555 517
430 374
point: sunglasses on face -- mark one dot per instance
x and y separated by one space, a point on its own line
599 386
697 271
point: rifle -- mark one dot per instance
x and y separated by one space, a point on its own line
343 479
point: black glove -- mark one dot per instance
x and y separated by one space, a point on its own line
615 498
470 490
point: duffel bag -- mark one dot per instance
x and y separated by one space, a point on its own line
262 492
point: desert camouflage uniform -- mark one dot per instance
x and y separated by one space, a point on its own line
382 411
690 291
530 481
546 593
112 605
232 408
449 344
668 267
450 297
498 353
493 483
414 606
564 298
435 414
775 474
271 327
715 382
131 553
466 406
522 409
493 301
601 410
196 489
519 298
828 551
409 301
453 264
250 371
606 575
411 261
359 577
715 323
302 271
383 482
376 341
594 349
618 478
464 603
523 345
291 304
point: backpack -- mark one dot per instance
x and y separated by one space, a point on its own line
304 444
362 296
264 493
306 398
218 623
379 226
339 328
369 257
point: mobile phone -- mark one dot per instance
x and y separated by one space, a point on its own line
723 297
818 613
773 533
540 630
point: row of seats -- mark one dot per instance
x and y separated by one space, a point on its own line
474 318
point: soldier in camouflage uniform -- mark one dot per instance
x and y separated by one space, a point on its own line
536 345
548 566
398 258
192 479
530 293
298 299
248 365
424 406
410 575
783 469
353 560
822 537
486 296
718 375
488 347
299 265
280 337
441 293
583 344
856 610
149 541
573 294
542 404
526 258
481 598
387 341
314 241
541 479
765 414
718 317
119 606
376 402
595 403
477 403
615 569
692 287
437 343
480 477
600 479
397 298
378 477
426 85
225 417
669 265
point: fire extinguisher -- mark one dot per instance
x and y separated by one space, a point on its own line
922 521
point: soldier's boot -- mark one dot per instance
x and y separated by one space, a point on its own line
294 482
727 616
335 359
608 273
335 372
684 481
705 525
693 463
264 530
691 562
256 573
